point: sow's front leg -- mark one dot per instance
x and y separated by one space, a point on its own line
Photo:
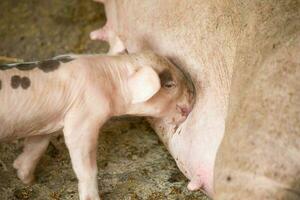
108 32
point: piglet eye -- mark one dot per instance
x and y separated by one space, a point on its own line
169 84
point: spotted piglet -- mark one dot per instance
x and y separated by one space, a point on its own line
78 94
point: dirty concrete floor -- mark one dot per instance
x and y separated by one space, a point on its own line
132 163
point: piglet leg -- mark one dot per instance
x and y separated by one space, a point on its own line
103 33
116 46
81 134
25 164
106 33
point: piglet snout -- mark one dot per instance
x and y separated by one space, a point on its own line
185 111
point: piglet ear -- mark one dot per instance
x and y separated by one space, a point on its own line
143 84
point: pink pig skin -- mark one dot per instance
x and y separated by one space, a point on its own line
217 42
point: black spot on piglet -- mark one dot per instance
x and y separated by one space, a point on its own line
15 81
166 79
4 67
53 64
26 66
48 65
0 84
25 82
165 76
65 59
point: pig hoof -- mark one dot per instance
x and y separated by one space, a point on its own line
26 177
91 198
94 35
23 174
99 34
16 164
194 185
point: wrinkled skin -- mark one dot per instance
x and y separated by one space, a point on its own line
263 123
217 42
79 94
195 143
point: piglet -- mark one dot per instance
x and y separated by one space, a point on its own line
78 94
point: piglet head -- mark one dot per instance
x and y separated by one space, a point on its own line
165 92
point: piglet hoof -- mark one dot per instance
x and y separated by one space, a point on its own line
100 34
89 194
23 172
26 177
91 198
94 35
96 197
